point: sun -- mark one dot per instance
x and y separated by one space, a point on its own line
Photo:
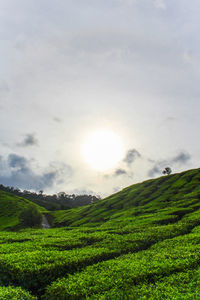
102 149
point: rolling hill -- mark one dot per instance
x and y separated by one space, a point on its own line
10 208
140 243
163 200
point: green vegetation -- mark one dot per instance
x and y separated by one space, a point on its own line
140 243
52 202
11 207
164 200
14 293
30 217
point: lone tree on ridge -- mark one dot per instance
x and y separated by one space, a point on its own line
167 171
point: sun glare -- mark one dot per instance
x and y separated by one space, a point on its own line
102 149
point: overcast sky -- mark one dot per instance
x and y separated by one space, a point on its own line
72 67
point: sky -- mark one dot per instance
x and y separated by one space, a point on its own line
70 69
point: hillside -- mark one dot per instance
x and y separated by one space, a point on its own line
140 243
10 208
59 201
163 200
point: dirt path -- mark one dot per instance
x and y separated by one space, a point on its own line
45 223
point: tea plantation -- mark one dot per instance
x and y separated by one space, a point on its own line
140 243
10 208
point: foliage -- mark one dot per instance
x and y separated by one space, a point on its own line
30 216
157 195
14 293
167 171
10 208
52 202
140 243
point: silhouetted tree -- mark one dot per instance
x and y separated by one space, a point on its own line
167 171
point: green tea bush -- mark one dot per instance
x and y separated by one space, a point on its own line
145 266
15 293
182 286
34 270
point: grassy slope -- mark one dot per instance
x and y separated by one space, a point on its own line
165 199
146 246
10 208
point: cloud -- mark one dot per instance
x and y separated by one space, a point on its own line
56 119
82 191
16 161
1 162
17 172
188 57
180 159
160 4
119 172
170 119
131 156
4 88
155 171
29 140
116 189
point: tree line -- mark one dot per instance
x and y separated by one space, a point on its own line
60 201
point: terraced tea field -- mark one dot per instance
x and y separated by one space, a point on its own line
141 243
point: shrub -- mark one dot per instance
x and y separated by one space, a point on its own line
31 217
8 293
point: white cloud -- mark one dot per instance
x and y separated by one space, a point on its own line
160 4
187 56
